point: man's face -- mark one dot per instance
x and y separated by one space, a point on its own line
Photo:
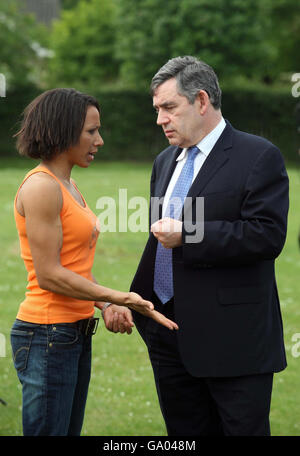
180 120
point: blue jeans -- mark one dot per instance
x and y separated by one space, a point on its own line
53 363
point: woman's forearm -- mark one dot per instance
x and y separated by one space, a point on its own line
68 283
98 304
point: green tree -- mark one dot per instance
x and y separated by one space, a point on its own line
69 4
22 45
227 34
285 34
83 42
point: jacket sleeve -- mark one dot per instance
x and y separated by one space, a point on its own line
260 231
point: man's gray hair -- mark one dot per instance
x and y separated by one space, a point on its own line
192 75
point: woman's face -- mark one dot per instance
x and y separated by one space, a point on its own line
83 153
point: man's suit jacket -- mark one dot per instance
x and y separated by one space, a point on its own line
225 296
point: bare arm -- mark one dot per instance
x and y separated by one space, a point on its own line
41 201
116 318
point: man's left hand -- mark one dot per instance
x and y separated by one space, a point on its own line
168 232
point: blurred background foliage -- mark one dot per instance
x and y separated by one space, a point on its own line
112 48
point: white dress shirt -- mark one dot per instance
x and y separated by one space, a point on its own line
205 146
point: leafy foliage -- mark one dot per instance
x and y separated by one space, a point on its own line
285 34
227 34
124 42
83 43
68 4
21 41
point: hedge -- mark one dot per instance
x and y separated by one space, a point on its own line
129 125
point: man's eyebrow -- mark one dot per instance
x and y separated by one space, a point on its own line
166 104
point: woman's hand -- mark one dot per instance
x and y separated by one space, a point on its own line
123 320
118 319
136 302
161 319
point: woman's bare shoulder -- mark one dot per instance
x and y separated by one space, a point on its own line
40 181
40 189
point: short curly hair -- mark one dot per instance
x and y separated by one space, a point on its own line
53 122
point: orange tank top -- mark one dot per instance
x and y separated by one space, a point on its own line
80 233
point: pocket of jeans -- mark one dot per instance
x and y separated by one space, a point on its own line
20 343
63 335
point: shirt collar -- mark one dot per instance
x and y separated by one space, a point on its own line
208 142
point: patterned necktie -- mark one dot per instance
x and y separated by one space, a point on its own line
163 273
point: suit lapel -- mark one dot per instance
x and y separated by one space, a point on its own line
216 159
166 172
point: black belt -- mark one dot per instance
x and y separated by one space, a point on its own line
87 327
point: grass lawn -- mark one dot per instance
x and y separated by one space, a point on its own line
122 398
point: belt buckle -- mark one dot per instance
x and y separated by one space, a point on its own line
91 326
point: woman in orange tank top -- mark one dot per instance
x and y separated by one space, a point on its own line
51 337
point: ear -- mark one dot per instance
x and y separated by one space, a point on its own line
203 100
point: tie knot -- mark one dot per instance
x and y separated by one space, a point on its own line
193 151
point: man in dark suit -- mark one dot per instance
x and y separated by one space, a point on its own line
210 266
